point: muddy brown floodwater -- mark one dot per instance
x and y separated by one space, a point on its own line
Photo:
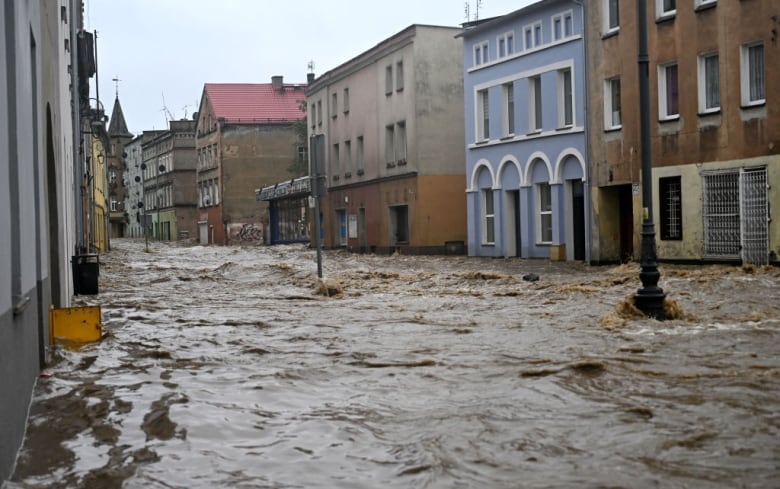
231 368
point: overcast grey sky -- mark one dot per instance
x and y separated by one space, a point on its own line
167 49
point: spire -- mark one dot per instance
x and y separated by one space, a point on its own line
118 127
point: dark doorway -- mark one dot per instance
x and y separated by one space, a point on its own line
626 210
578 218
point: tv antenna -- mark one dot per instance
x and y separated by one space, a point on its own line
168 116
310 66
477 6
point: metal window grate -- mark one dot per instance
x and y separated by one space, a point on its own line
736 215
721 214
755 217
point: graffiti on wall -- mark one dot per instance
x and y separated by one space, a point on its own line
245 234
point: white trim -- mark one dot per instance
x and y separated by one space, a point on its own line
562 17
505 115
520 54
527 137
662 14
744 74
536 155
567 63
482 163
557 178
701 62
509 47
662 92
562 96
608 109
532 28
605 28
483 47
506 161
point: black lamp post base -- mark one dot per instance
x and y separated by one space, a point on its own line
650 297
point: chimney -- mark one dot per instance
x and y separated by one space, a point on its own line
277 81
309 78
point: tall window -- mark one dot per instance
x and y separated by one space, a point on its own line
313 116
611 15
400 143
388 79
709 84
345 100
390 144
334 105
488 217
535 103
752 74
670 201
319 112
359 156
399 76
565 98
481 53
544 221
509 109
668 92
506 44
666 8
347 157
533 35
562 26
612 115
335 162
483 115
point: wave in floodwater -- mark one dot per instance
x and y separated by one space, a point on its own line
237 368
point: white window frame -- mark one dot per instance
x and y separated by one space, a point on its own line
533 28
701 3
510 123
488 217
481 53
663 95
704 106
606 7
562 96
661 12
535 110
541 213
506 41
609 112
562 18
482 115
745 75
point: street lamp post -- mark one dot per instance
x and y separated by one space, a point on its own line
160 169
649 297
142 205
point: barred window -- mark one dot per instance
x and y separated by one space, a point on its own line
670 201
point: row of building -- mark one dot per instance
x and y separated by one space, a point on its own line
520 135
512 136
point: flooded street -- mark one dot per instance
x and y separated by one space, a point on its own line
230 368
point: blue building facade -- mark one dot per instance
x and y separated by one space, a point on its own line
525 112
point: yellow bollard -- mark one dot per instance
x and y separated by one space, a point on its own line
77 324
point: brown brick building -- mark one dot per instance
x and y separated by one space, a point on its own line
715 128
245 140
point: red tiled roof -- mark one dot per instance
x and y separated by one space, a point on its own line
256 102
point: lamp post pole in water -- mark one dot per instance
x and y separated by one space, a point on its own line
649 298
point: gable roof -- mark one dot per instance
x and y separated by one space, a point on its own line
255 102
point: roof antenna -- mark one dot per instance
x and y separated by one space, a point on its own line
164 110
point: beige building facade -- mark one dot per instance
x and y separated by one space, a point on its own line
392 122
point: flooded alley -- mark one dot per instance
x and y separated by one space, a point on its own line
231 368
